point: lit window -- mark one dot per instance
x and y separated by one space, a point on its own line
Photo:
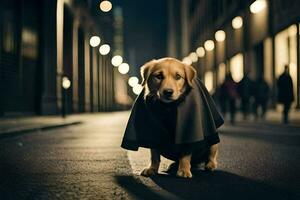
221 73
209 81
237 67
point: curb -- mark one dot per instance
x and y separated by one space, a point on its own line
22 131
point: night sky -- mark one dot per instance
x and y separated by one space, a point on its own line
145 30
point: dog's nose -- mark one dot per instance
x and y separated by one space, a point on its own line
168 92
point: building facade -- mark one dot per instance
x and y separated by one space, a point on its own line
43 41
257 37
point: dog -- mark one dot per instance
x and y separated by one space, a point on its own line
167 80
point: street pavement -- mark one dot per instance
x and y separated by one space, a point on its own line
257 160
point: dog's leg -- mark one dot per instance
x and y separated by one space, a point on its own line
155 161
212 158
184 168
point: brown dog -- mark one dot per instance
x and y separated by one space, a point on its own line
168 79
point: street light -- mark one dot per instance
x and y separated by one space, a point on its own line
66 83
133 81
209 45
104 49
105 6
187 60
237 22
116 60
193 57
123 68
220 35
258 6
200 52
95 41
137 89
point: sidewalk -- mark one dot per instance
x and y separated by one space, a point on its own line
13 126
272 117
276 117
18 125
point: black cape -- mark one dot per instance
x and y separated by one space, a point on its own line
195 119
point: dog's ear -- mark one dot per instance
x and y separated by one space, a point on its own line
190 74
145 71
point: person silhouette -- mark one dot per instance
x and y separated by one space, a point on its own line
261 97
228 97
285 93
245 90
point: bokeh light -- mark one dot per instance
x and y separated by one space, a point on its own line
66 83
95 41
105 6
133 81
258 6
209 45
104 49
200 52
187 60
123 68
116 60
137 89
237 22
220 35
193 57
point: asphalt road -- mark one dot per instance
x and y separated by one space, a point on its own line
256 161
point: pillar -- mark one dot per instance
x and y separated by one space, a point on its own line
48 58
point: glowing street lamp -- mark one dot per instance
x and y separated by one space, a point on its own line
105 6
104 49
116 60
66 83
237 22
95 41
209 45
187 60
137 89
258 6
193 57
133 81
220 35
123 68
200 52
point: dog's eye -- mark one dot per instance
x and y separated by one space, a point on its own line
159 76
178 77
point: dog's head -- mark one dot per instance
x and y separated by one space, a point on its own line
167 78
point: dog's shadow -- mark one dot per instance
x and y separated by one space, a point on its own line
212 185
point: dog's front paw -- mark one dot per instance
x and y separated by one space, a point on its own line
184 173
149 171
211 166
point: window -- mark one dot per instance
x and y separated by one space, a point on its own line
209 81
237 67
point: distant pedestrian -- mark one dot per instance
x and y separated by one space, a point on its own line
217 96
245 91
228 97
285 93
261 97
